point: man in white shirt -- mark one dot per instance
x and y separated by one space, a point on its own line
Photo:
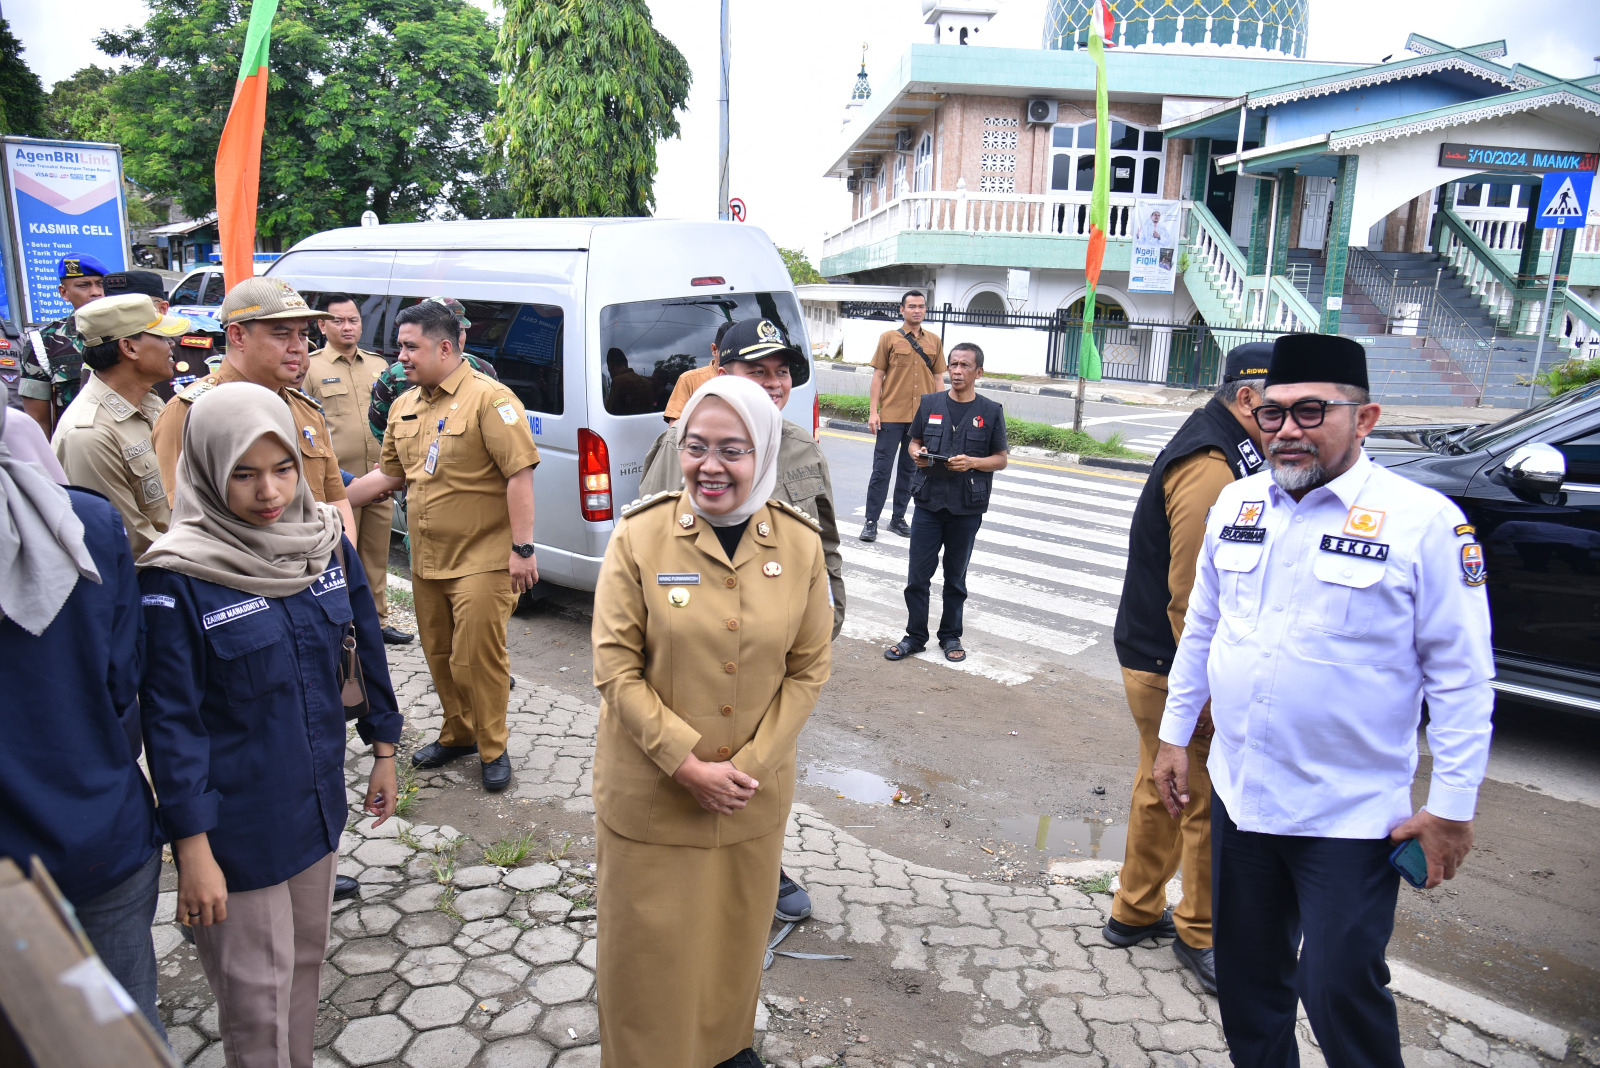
1332 597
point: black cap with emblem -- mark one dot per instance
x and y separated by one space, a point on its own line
1247 361
756 339
147 282
1317 358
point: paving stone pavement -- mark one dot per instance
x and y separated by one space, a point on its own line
482 967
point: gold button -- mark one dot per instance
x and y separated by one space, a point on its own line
731 581
727 710
733 624
724 751
730 667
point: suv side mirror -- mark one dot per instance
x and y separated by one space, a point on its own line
1536 468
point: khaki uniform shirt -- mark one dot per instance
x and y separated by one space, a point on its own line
803 481
460 524
905 377
343 386
103 443
687 383
693 653
316 451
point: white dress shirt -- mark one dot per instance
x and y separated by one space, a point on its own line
1317 629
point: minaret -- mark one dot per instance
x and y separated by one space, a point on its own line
862 91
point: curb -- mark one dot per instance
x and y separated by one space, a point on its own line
1001 386
1480 1012
1140 466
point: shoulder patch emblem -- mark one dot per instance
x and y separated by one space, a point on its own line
1466 530
1473 571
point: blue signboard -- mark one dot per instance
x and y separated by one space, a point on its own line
1564 200
66 198
534 334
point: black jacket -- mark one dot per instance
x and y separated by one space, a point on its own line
982 432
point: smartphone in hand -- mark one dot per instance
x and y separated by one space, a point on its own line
1411 862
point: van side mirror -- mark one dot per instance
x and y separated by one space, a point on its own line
1536 468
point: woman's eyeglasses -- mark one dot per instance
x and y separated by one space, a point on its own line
726 453
1307 414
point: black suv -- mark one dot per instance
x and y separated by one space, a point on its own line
1531 485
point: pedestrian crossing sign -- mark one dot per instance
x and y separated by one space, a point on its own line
1564 200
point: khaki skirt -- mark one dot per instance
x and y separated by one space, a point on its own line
683 932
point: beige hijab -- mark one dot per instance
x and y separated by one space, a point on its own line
765 425
206 540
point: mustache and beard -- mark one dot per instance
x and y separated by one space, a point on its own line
1302 477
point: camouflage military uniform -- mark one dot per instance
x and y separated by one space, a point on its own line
63 351
389 385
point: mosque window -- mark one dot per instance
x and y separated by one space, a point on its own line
924 167
1135 169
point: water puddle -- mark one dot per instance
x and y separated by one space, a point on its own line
851 783
1062 836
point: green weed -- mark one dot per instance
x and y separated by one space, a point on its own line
509 852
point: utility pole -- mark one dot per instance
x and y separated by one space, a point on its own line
722 110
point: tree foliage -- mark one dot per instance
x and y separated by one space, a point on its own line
21 94
80 107
800 270
374 104
589 87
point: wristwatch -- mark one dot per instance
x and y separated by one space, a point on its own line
523 551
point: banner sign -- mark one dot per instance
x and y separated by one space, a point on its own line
1153 266
1515 160
66 198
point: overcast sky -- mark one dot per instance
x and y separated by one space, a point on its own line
794 65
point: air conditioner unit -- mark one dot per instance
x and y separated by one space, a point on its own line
902 140
1041 112
853 183
869 170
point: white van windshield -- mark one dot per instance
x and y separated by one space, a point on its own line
658 340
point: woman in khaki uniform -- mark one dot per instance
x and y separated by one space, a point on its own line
711 643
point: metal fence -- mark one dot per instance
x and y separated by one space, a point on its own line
1181 355
1417 309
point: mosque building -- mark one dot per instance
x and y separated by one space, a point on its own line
1253 191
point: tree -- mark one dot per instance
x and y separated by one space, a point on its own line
21 94
80 108
589 87
801 272
374 104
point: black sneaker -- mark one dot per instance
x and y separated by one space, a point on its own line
869 530
794 904
899 525
435 755
1203 962
1123 934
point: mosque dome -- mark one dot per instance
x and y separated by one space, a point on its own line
1218 27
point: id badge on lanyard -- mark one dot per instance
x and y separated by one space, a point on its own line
433 451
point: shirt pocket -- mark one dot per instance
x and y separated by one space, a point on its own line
802 491
256 662
336 397
407 435
1239 575
453 445
145 470
1343 600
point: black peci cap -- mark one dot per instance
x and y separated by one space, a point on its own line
1247 361
756 339
147 282
1317 358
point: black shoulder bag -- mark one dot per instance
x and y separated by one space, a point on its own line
352 684
918 350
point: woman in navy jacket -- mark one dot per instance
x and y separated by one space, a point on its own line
245 609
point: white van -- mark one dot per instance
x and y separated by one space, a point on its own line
549 299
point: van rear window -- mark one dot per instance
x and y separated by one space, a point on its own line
522 342
646 345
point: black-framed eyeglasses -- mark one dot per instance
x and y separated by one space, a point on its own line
726 453
1307 414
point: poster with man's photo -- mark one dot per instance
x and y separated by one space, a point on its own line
1158 228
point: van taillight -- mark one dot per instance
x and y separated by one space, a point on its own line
708 280
816 414
594 476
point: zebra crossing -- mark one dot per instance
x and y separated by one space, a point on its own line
1156 428
1044 579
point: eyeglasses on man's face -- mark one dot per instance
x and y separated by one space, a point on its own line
699 450
1307 414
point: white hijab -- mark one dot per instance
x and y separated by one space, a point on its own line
764 423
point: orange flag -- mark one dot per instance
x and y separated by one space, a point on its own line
239 152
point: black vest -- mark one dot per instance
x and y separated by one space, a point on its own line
964 492
1143 632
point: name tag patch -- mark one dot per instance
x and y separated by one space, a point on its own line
678 578
233 612
331 381
331 579
1250 534
136 450
157 600
1366 550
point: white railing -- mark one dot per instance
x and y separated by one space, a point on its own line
1042 214
1580 327
1500 230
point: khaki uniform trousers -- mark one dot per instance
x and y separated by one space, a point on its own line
264 964
371 539
462 623
1158 844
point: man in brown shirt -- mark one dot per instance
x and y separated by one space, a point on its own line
908 363
690 381
269 327
340 378
461 448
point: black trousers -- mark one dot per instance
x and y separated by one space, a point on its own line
888 453
933 531
1333 900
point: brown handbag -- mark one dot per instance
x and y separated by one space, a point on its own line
352 684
